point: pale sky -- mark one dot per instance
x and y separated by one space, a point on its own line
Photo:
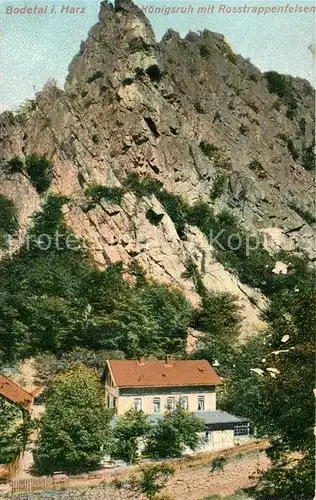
37 47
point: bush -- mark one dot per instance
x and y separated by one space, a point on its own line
199 108
40 171
204 51
281 85
8 220
153 479
256 166
243 129
218 464
142 186
309 157
48 226
218 187
209 150
277 84
292 150
305 214
110 194
201 214
13 166
173 204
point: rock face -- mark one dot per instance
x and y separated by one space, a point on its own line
133 105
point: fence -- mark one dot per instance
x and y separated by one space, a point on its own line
37 483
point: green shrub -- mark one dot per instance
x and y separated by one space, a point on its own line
173 204
49 224
176 208
204 51
282 86
175 431
110 194
218 187
209 150
277 84
152 480
302 126
142 186
243 129
201 214
8 220
40 171
305 214
256 166
292 150
218 464
199 108
13 166
309 157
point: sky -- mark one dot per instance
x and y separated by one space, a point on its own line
36 47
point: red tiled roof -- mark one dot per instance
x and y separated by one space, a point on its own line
152 373
14 392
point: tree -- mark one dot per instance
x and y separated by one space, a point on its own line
74 431
289 392
128 429
219 318
243 391
8 220
14 426
153 479
40 171
175 431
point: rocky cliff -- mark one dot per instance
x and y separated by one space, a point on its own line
187 112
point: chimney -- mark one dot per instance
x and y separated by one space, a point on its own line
169 359
141 360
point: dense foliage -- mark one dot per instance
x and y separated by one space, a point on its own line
54 304
289 393
74 431
172 433
38 168
99 192
13 166
52 300
282 86
152 480
129 429
40 172
8 220
13 430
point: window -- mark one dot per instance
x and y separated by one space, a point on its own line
207 436
137 404
184 402
156 405
171 403
241 429
200 405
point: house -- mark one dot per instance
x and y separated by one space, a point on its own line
154 386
